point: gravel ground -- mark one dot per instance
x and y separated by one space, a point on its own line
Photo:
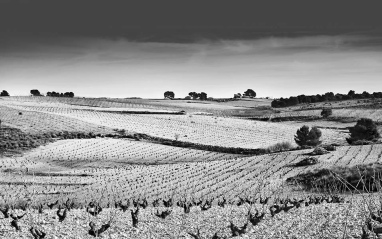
315 221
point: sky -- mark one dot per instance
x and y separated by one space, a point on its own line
142 49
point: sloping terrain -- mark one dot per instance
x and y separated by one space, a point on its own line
111 169
231 177
208 130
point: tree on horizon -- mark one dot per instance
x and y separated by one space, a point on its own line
35 92
250 93
169 95
194 95
4 93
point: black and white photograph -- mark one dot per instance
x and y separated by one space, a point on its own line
190 119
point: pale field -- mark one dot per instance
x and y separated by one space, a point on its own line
114 169
235 104
123 151
40 122
241 107
86 105
252 176
84 178
374 114
87 102
208 130
185 104
315 221
340 126
344 103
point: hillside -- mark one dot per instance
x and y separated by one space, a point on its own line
90 150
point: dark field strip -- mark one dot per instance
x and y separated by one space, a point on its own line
143 112
41 174
47 184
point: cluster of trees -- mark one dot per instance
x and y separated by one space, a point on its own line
200 96
249 93
57 94
203 96
4 93
53 93
364 132
329 96
191 95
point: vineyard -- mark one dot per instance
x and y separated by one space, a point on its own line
231 179
351 113
39 122
90 166
99 151
205 178
244 107
208 130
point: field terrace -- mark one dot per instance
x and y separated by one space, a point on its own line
109 169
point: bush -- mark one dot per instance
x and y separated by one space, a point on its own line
306 137
326 113
330 147
307 161
365 129
283 146
360 177
361 142
319 151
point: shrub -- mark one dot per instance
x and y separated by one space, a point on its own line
306 137
360 177
326 112
319 151
307 161
330 147
283 146
365 129
361 142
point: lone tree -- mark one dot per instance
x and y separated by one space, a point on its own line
250 93
35 92
169 95
351 93
194 95
365 129
306 137
203 96
326 112
4 93
238 95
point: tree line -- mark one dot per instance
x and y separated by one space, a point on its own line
249 93
52 94
203 96
193 95
57 94
329 96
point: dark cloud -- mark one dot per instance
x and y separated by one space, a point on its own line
177 20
